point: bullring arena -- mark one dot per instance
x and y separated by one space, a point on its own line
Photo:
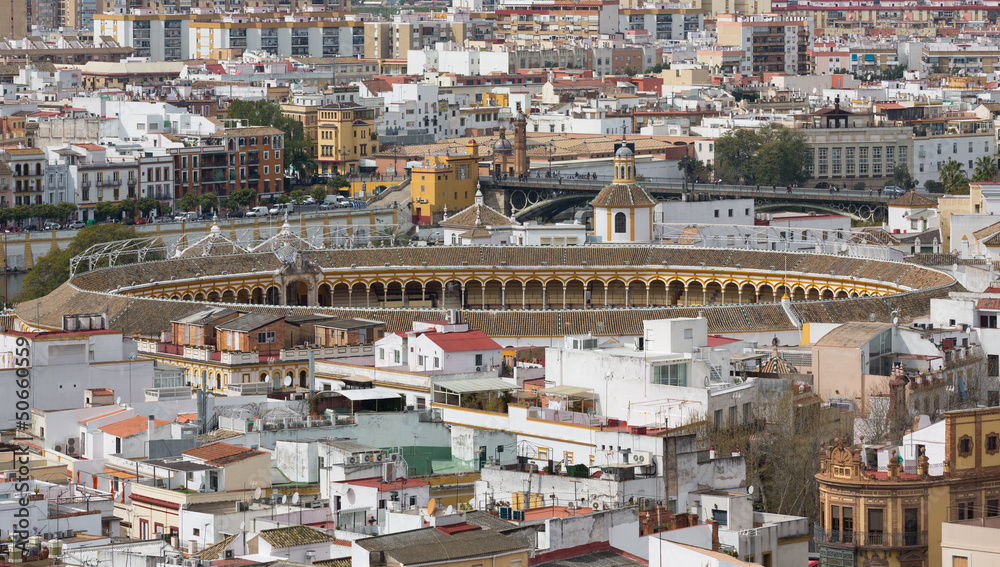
505 291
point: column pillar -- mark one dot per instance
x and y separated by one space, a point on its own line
685 295
503 296
524 296
564 296
605 295
368 295
482 296
628 296
545 297
423 295
647 295
704 295
722 296
461 295
739 296
350 297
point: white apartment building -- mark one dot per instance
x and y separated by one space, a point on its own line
962 140
450 58
85 355
413 114
660 22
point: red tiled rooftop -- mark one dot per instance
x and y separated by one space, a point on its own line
131 426
96 417
462 342
716 340
222 453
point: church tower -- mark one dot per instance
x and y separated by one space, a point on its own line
623 211
521 163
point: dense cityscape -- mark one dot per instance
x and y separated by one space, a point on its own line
501 283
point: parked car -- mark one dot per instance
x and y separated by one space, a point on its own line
76 224
257 212
30 228
188 216
281 209
50 225
142 221
236 214
894 190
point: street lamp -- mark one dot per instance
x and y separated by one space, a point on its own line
550 149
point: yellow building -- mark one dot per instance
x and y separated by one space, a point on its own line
345 136
441 182
308 116
892 516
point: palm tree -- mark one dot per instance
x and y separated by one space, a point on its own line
953 178
390 236
986 169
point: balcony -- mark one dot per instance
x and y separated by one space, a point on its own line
839 538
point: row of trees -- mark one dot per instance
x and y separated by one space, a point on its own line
42 211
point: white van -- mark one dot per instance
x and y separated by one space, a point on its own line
285 208
257 212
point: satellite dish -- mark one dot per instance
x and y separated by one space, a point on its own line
267 378
284 498
288 381
256 493
243 526
750 489
814 90
431 506
295 498
449 510
118 401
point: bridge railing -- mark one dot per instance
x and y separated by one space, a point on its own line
674 185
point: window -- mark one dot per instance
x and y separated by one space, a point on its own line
992 507
479 360
265 337
876 525
543 454
965 446
988 321
143 529
670 374
396 357
437 362
567 458
718 419
381 354
991 443
716 213
195 531
966 510
620 223
730 212
747 412
720 517
959 561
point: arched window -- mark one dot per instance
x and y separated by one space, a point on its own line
38 169
17 169
620 223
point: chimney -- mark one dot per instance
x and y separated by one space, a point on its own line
715 536
149 435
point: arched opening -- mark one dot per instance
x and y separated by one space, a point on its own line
338 296
303 379
393 295
243 296
359 295
828 294
713 291
636 293
765 293
658 293
433 293
297 293
841 294
289 379
576 295
534 295
812 294
748 294
174 296
730 293
515 295
413 294
675 292
452 298
493 294
616 293
376 290
263 377
199 296
187 297
798 294
695 294
276 380
595 294
553 294
473 294
781 291
621 223
273 295
854 294
324 295
229 296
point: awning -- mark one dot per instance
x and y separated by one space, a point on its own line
475 385
356 379
369 394
568 391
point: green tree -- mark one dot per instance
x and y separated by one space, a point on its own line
126 208
298 148
20 213
188 202
318 193
901 177
65 209
283 198
209 201
105 210
243 197
337 182
52 269
953 178
773 155
44 211
147 205
986 169
933 186
297 196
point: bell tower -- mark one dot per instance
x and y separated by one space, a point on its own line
520 122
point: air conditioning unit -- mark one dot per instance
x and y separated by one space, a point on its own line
479 369
380 457
59 448
395 457
642 458
71 450
71 441
368 458
353 460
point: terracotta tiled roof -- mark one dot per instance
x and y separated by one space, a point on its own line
911 200
874 235
131 426
222 453
216 550
294 535
988 303
487 216
855 334
623 195
462 342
